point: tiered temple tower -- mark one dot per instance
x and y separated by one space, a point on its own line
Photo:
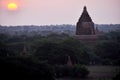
85 25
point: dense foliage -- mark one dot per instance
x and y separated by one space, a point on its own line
108 49
24 68
43 53
58 52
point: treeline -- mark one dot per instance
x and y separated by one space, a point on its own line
32 30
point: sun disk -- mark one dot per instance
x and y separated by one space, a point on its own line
12 6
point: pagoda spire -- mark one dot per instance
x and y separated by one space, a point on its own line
85 17
24 51
85 8
69 62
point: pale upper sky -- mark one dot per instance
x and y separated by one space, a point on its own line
47 12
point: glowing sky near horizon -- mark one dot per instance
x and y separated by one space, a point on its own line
46 12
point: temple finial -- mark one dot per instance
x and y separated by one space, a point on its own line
85 8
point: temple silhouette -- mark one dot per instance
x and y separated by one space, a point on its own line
85 25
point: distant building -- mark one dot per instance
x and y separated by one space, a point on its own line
85 25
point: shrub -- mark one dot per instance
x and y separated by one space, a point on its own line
117 77
79 71
73 71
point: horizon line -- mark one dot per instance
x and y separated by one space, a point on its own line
57 24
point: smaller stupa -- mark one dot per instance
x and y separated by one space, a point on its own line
69 62
24 53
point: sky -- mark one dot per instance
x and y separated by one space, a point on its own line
52 12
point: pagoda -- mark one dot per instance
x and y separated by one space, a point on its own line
85 25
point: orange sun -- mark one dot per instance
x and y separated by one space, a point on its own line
12 6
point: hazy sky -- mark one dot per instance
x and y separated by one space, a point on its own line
46 12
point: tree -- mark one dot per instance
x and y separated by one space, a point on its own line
117 77
57 52
80 51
